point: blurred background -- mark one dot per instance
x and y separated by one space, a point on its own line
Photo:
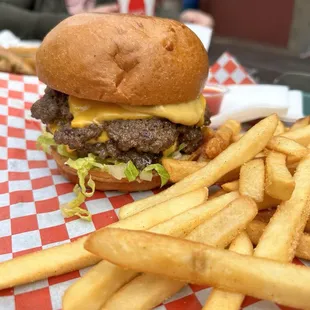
270 38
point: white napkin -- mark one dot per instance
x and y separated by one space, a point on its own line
248 102
8 39
295 110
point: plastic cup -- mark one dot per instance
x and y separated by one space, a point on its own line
214 96
138 7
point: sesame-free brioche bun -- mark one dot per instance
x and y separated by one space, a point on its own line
127 59
103 180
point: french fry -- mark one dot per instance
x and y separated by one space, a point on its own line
237 137
266 152
234 126
222 138
123 299
292 166
195 155
239 212
203 158
179 169
220 299
282 234
268 202
197 263
230 186
302 122
280 129
256 228
207 133
260 155
150 290
253 142
287 147
46 263
98 284
300 135
252 179
230 176
182 224
265 216
279 181
164 211
291 160
68 257
219 142
242 244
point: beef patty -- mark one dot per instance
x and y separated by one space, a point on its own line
142 141
53 106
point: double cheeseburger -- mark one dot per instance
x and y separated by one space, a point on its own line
123 91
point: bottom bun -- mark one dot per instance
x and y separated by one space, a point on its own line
103 180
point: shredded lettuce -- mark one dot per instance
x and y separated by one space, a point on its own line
177 154
162 172
146 175
45 141
82 166
73 208
173 150
170 150
181 147
108 161
63 151
131 172
117 171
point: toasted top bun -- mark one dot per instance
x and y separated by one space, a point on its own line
127 59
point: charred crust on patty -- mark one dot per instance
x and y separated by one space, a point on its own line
142 141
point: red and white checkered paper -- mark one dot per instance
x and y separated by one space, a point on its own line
31 190
227 71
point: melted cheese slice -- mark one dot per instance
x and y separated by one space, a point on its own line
86 112
102 138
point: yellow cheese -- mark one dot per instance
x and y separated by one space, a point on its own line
102 138
86 112
171 149
69 150
52 128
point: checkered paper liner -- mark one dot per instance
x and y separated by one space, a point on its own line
227 71
31 190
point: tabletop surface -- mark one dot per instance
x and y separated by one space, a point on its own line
263 62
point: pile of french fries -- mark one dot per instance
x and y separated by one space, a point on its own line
240 240
268 177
